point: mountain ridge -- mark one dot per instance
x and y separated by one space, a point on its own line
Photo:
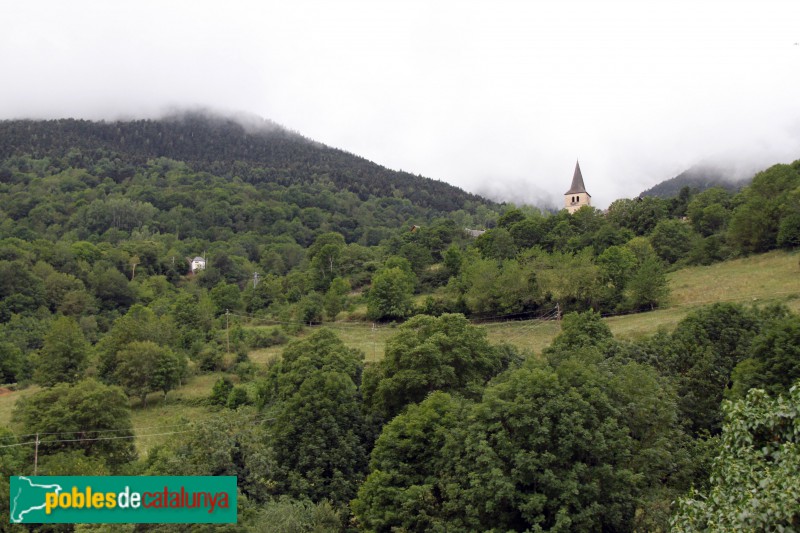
697 178
252 150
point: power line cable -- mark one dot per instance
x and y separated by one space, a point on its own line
95 438
90 439
99 430
531 325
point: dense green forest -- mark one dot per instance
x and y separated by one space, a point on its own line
100 313
253 150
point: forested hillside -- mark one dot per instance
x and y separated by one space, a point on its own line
255 151
105 329
698 179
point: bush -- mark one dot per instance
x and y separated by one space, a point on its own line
221 391
237 398
245 370
264 338
209 359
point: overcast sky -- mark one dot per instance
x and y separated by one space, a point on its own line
497 97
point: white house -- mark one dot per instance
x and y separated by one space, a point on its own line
198 263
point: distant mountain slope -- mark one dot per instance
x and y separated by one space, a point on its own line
255 151
698 178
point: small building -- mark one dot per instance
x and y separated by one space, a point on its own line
577 197
198 263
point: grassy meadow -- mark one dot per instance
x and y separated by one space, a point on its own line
154 423
773 277
769 278
7 400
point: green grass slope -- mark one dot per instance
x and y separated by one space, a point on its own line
760 279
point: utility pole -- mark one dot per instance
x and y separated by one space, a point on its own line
255 279
36 456
227 336
558 311
374 347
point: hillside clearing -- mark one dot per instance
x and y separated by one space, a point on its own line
773 277
769 278
9 399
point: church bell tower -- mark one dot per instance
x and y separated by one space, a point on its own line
577 197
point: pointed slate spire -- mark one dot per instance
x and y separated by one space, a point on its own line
577 181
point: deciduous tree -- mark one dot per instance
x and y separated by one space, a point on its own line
428 354
671 239
647 287
546 452
63 358
322 351
774 361
80 417
390 295
144 367
319 439
336 298
754 481
409 468
138 324
11 362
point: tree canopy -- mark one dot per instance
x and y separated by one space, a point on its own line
75 417
430 354
754 480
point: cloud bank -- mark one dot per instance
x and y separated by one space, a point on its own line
496 97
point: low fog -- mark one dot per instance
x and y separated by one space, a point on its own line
497 98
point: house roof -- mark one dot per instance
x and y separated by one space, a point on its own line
577 181
198 258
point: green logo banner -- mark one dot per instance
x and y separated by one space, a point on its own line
123 499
